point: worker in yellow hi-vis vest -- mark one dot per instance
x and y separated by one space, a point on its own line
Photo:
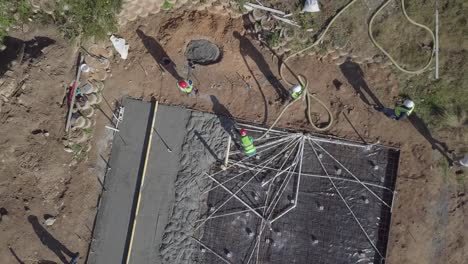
247 143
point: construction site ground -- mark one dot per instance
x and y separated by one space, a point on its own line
38 179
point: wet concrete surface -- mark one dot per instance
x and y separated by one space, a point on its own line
117 202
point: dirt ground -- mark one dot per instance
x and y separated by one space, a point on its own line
37 178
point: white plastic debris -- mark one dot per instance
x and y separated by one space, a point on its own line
311 6
250 5
464 161
50 221
120 46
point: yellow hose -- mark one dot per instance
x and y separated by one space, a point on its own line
303 80
412 22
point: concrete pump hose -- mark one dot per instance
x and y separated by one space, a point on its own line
371 36
303 80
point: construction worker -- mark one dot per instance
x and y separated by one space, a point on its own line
401 111
185 86
247 143
296 91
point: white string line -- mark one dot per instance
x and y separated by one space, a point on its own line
267 222
270 138
294 162
278 174
279 193
225 202
297 185
333 177
266 144
356 178
337 142
237 197
249 169
209 249
348 180
283 186
263 224
263 129
294 140
343 199
281 167
272 143
249 157
228 214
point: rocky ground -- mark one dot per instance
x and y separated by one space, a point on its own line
40 181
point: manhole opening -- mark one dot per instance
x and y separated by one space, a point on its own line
202 51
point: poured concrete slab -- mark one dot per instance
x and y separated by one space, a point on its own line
117 202
157 192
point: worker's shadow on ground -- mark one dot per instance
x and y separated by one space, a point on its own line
16 48
247 49
436 144
355 76
160 56
48 240
225 117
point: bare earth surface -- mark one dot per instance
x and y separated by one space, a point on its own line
37 177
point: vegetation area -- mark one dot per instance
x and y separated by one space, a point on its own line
74 18
167 5
442 103
87 18
13 13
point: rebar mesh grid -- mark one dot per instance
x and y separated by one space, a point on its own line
341 215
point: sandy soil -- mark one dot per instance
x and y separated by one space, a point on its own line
37 177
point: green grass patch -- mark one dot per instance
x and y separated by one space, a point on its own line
444 168
78 152
272 38
167 5
241 4
461 179
88 131
13 13
87 18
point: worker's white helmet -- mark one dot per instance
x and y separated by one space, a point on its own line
297 88
408 103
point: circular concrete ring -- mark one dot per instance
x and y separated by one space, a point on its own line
88 112
156 9
87 124
92 99
267 24
202 51
79 122
98 98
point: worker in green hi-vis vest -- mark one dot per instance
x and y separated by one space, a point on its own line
401 111
296 91
247 143
185 86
